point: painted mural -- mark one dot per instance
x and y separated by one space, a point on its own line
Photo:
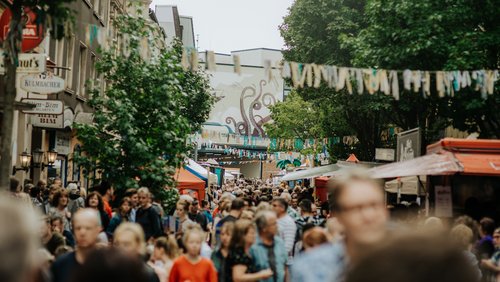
243 101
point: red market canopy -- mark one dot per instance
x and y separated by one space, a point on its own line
449 156
188 181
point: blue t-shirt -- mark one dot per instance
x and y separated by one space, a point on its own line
262 258
324 263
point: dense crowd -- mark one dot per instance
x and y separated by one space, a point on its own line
246 230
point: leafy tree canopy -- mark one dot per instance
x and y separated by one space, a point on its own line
394 34
148 110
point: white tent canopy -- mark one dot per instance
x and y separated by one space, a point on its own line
310 173
228 175
200 171
409 185
327 170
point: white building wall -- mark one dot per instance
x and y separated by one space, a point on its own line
188 38
165 15
243 100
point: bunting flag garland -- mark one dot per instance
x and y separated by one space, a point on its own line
359 80
237 64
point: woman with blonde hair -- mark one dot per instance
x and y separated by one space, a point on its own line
164 253
241 265
130 238
220 255
462 236
192 266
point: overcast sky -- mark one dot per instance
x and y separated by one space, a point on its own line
228 25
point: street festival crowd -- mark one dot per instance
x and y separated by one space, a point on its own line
246 230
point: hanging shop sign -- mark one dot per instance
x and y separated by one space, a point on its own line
48 121
53 107
382 154
33 34
63 140
28 63
44 83
408 145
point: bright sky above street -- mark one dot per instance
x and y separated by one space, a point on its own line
226 25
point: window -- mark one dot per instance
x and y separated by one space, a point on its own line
70 55
93 72
59 58
82 69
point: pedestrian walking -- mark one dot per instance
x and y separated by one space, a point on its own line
51 240
59 208
111 264
492 265
358 202
220 255
86 225
105 189
198 216
287 229
57 226
147 217
192 266
130 238
164 253
182 221
19 239
241 264
94 201
236 208
120 216
76 201
131 193
269 251
395 260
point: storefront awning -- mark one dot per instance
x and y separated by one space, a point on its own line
310 173
434 164
479 164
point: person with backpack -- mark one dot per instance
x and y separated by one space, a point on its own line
307 218
147 217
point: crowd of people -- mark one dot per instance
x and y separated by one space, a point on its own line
243 231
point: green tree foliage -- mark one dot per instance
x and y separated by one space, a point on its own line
394 34
52 15
143 120
294 118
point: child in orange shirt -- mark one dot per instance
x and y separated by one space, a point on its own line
191 266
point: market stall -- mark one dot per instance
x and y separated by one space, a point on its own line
463 177
188 183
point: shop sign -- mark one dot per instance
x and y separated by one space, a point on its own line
63 140
48 121
53 107
28 63
382 154
408 145
443 204
44 83
33 34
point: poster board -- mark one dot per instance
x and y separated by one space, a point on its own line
443 204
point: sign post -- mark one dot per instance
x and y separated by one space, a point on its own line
53 107
33 33
44 83
48 121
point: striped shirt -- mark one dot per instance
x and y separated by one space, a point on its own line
287 230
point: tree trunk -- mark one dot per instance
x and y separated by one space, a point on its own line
13 40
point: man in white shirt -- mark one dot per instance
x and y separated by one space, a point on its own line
286 225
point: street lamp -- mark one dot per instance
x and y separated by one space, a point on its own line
38 157
25 163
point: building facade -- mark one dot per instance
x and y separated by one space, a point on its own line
73 59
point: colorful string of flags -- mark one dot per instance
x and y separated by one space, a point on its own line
362 80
